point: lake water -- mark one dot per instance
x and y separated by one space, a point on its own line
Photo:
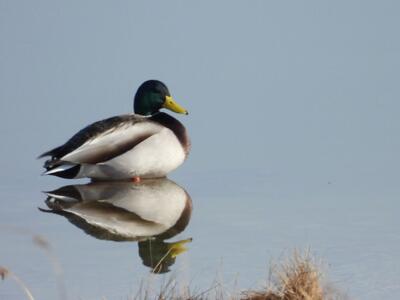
239 224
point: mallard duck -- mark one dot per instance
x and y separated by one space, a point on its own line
145 144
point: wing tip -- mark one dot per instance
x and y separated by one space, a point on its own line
43 155
53 152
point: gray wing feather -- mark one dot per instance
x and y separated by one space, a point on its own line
103 140
88 133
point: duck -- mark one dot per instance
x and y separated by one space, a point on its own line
144 144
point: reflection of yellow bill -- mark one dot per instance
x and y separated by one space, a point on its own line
174 106
178 247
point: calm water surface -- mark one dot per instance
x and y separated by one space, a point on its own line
226 225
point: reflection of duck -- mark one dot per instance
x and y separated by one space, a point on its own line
149 212
147 144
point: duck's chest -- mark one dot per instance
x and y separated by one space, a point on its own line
154 157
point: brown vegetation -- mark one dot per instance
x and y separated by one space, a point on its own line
6 273
297 279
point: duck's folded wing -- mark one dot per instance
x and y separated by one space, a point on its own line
112 142
89 133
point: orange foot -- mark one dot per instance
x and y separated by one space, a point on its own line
136 179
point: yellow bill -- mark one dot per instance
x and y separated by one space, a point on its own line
175 107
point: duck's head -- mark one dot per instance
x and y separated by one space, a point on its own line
152 96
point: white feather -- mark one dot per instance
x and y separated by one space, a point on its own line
154 157
111 140
57 169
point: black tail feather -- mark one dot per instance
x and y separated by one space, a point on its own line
53 152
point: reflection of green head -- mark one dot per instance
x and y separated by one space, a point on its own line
160 255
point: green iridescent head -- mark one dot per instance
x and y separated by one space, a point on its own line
152 96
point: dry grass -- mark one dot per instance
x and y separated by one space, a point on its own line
6 273
299 278
172 289
43 244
